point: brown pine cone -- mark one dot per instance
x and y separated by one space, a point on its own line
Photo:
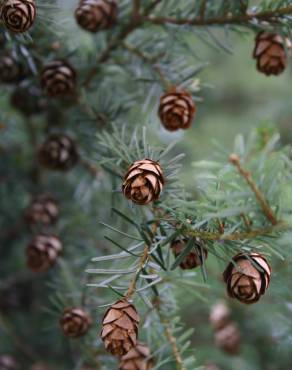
137 359
96 15
270 53
176 110
249 280
42 252
143 181
220 315
75 322
58 78
58 152
7 363
10 69
28 100
228 339
195 258
120 328
43 210
18 15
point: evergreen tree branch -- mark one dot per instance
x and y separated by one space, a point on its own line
234 159
151 61
171 339
142 261
206 235
266 15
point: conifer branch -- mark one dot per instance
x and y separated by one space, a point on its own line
237 236
234 159
171 339
151 61
143 259
266 15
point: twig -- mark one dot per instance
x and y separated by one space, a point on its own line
149 60
206 235
91 168
171 339
234 159
266 15
132 287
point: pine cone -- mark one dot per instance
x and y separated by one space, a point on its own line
75 322
10 69
58 78
42 252
96 15
270 53
18 15
7 363
58 152
176 110
228 339
28 100
247 281
143 182
137 359
220 315
195 258
43 210
120 328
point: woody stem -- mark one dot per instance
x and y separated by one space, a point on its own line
234 159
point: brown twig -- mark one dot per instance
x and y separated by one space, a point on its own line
171 339
234 159
202 10
206 235
266 15
132 287
149 60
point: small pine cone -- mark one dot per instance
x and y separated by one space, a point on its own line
270 53
7 363
58 78
75 322
58 152
176 110
42 252
42 210
18 15
249 280
220 315
28 100
96 15
228 339
195 258
10 70
120 328
143 181
137 359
